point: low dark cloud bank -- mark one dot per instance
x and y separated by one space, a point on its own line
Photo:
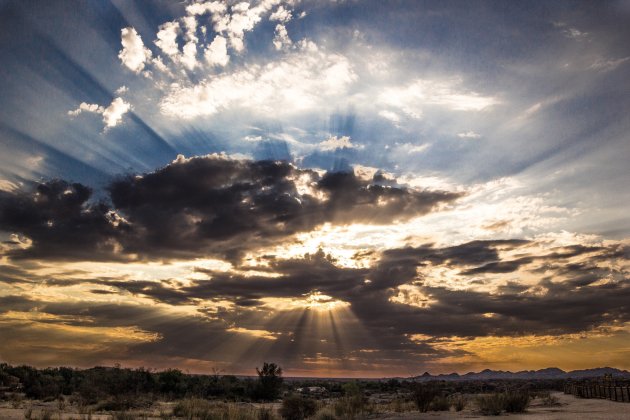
199 207
567 299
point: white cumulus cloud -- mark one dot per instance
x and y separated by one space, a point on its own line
207 7
133 54
281 39
216 54
167 38
112 115
334 143
281 15
85 107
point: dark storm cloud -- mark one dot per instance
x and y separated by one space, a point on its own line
200 206
575 294
574 301
56 216
558 254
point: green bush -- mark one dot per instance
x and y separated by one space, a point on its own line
296 407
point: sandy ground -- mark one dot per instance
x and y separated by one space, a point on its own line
569 408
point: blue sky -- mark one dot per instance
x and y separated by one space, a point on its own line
514 113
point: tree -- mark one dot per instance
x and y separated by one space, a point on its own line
269 381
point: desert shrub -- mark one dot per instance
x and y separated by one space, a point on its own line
458 402
550 400
16 400
28 413
325 414
423 395
192 408
124 403
490 405
61 403
46 415
165 415
401 405
265 414
123 415
352 403
296 407
349 406
234 412
440 403
515 401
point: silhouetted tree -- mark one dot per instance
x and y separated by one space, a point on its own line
269 381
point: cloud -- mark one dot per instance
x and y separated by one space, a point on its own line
303 80
604 65
216 54
410 148
201 8
389 115
8 186
448 93
242 19
189 55
408 299
201 206
112 115
281 15
58 221
281 40
167 39
393 299
468 135
575 33
335 143
84 106
133 54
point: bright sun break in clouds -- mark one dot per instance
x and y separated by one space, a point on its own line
350 189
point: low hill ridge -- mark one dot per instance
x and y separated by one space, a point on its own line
547 373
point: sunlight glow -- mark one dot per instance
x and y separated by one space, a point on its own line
314 300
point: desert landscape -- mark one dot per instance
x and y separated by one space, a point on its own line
314 209
125 394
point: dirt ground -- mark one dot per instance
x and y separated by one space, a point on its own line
569 408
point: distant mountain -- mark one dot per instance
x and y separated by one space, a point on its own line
548 373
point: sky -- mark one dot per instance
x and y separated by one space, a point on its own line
345 188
